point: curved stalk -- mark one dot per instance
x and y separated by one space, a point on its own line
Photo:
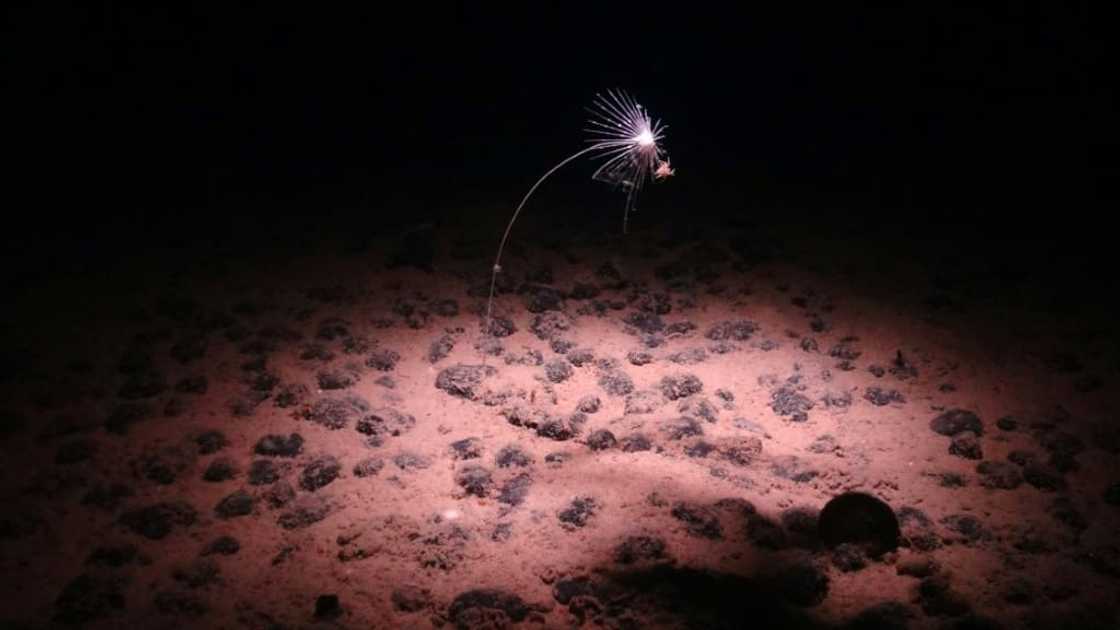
498 259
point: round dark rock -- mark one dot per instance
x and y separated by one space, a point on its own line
291 394
502 532
525 356
918 528
470 607
788 401
561 428
639 549
558 428
320 472
645 322
515 490
699 407
332 328
855 517
580 357
824 444
211 442
955 421
316 352
336 412
848 557
1022 458
743 451
512 455
881 397
463 380
304 512
766 533
578 512
156 521
335 379
384 422
616 383
699 449
263 472
409 461
500 327
161 469
1001 475
197 574
409 598
467 448
969 528
634 443
368 467
383 360
239 503
558 371
263 382
280 446
793 468
680 386
588 404
738 330
698 520
601 440
224 545
1043 477
441 348
801 525
639 357
476 480
645 401
966 445
681 427
280 494
548 325
221 469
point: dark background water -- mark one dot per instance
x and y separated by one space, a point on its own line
135 128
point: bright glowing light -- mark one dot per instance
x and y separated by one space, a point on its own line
627 139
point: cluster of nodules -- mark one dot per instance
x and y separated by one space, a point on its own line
1044 451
